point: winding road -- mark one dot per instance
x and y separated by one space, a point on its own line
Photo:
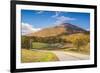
66 55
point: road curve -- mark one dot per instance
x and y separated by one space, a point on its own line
65 56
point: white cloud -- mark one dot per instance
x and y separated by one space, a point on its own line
40 12
56 14
63 19
27 28
88 29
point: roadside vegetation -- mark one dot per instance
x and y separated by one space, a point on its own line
28 56
79 43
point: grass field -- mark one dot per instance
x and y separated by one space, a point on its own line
46 46
38 45
28 56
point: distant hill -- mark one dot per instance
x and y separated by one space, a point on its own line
64 28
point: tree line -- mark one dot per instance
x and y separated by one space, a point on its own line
77 40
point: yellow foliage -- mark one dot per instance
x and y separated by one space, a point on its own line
78 36
78 40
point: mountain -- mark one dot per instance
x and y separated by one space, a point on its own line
64 28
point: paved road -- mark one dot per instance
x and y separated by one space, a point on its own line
65 56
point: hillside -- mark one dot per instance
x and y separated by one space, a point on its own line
65 37
65 28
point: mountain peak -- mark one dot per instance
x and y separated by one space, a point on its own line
65 24
70 26
64 28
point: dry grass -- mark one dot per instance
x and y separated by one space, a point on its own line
83 50
28 56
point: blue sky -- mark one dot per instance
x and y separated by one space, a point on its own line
42 19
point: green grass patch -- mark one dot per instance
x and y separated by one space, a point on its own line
46 46
38 45
28 56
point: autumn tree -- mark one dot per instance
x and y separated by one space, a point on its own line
80 40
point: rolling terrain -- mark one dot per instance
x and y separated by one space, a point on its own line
61 42
65 28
